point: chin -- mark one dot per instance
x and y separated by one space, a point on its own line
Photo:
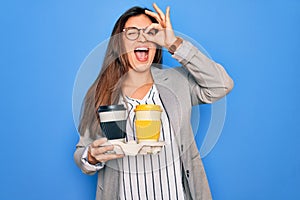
141 67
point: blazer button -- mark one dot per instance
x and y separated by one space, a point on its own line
188 173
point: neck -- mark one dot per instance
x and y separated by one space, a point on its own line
137 79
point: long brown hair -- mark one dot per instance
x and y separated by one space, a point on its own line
106 90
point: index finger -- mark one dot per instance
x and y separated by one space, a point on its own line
153 14
99 142
107 157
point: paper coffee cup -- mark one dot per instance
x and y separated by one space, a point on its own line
148 122
113 121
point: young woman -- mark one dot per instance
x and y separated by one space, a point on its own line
131 75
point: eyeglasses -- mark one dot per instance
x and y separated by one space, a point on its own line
133 33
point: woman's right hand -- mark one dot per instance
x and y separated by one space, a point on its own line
97 153
165 36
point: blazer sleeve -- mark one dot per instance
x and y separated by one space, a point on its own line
80 156
208 80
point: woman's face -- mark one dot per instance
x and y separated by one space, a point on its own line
140 52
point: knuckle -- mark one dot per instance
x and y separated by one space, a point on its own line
109 148
92 145
101 150
95 151
99 142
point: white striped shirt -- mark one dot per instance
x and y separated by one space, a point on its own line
151 176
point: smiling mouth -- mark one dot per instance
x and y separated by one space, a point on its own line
141 53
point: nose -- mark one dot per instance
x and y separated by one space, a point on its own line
141 37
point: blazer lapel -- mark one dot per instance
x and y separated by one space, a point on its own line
168 98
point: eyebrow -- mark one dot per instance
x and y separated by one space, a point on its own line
136 27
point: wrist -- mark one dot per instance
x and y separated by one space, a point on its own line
176 43
170 42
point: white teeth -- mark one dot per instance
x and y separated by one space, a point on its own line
141 49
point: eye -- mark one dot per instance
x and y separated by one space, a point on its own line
132 32
152 32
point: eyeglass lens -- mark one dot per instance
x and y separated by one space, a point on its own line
132 33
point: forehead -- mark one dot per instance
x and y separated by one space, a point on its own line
139 21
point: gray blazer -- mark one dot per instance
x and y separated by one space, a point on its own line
199 80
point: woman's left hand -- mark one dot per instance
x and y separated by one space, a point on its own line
165 36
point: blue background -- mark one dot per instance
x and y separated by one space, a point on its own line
43 44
